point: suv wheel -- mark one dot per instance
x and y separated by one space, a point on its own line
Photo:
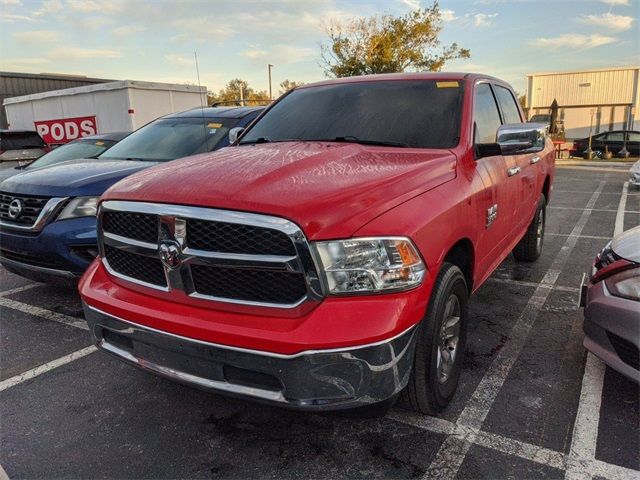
440 345
529 248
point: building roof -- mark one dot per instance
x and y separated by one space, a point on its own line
568 72
54 76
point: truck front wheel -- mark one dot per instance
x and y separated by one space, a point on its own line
440 345
529 247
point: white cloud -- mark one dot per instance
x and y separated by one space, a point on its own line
484 19
412 4
79 53
448 15
11 3
37 36
126 30
616 2
49 7
180 60
94 6
10 18
618 23
25 61
254 53
573 40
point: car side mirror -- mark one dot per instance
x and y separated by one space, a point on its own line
234 133
521 138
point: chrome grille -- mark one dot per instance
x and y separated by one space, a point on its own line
236 258
31 208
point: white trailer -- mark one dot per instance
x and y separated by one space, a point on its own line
63 115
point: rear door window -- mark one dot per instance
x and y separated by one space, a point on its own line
508 105
485 114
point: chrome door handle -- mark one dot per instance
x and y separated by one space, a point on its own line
513 171
534 160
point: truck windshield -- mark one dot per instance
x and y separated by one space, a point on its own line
409 113
19 140
170 138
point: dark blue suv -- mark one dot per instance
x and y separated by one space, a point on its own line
47 216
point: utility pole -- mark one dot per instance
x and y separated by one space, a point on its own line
270 94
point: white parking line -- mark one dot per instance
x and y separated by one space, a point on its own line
43 313
29 286
34 372
3 474
590 237
607 210
585 431
619 225
524 283
512 447
454 449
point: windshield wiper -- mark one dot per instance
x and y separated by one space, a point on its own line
257 140
352 139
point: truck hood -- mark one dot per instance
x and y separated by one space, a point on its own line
329 189
72 178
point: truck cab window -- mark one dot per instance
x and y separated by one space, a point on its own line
508 105
485 115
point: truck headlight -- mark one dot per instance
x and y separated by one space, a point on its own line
370 265
80 207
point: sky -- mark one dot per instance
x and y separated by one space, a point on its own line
155 40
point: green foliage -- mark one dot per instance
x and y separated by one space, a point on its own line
388 44
287 85
237 90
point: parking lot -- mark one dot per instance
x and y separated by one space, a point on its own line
531 403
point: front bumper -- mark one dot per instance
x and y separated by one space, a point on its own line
612 330
309 380
60 251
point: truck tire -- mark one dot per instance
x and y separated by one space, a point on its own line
529 247
440 345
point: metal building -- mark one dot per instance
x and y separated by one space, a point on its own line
597 100
16 84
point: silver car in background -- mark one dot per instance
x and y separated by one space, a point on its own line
611 301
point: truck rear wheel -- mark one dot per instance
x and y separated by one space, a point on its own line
529 247
440 345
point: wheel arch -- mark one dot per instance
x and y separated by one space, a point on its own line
462 254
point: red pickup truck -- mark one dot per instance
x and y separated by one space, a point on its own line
325 260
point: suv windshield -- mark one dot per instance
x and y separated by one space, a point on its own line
18 140
409 113
170 138
71 151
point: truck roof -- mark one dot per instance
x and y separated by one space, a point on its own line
406 76
219 112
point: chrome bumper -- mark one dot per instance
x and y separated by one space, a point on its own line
312 380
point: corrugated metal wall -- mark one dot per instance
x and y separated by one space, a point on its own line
595 101
16 84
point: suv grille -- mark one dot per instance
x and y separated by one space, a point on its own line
31 208
219 255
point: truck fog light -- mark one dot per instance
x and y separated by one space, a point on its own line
370 265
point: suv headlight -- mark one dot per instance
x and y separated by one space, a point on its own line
370 265
80 207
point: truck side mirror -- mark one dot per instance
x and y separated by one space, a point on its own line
521 138
234 133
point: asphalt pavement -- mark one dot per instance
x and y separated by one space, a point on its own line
531 403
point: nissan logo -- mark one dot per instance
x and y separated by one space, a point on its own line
15 208
170 253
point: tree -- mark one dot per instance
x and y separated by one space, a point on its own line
387 44
287 85
235 91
